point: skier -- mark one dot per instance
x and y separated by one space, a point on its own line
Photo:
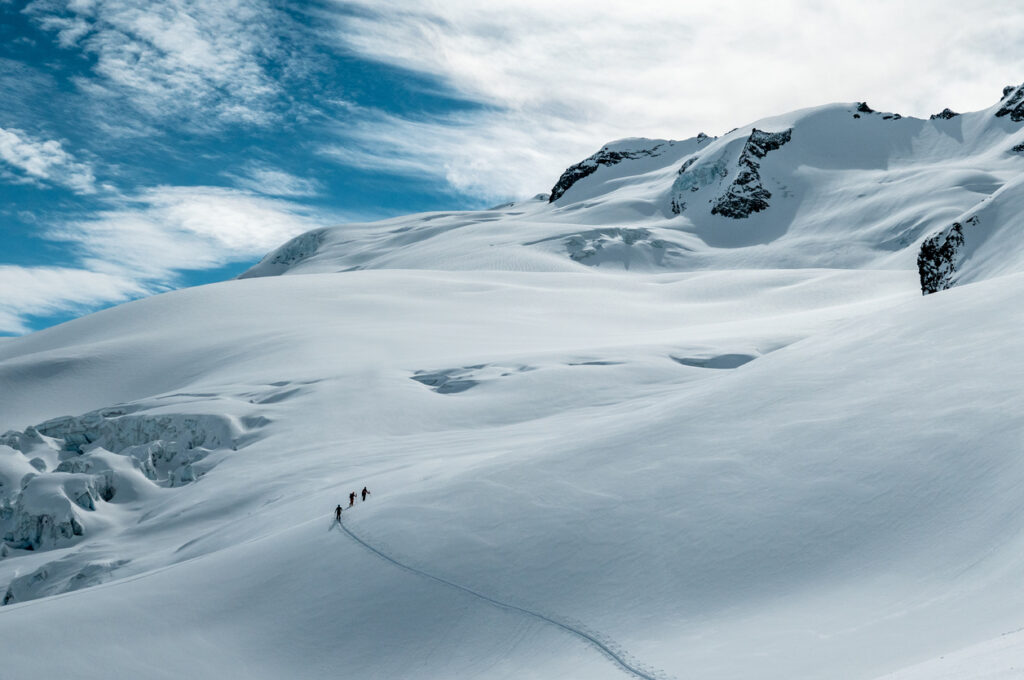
337 513
366 492
352 499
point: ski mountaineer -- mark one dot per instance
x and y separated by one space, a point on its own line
366 492
352 499
337 513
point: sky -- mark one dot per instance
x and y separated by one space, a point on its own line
148 146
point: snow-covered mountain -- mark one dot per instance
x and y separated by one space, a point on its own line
838 186
687 415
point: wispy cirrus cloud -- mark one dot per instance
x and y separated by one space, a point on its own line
143 243
262 178
152 235
207 62
32 159
44 291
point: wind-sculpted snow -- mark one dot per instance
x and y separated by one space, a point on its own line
747 194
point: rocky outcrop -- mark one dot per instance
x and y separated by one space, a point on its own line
945 114
1018 148
747 194
1012 104
938 259
605 157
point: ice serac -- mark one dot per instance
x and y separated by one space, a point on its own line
693 176
57 478
611 154
747 194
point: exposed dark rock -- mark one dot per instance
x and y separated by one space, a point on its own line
1018 149
891 116
937 259
945 114
864 108
1013 105
1008 89
746 194
589 166
856 115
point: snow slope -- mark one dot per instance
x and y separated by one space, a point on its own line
603 439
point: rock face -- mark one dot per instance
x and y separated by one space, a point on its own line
747 195
938 258
945 114
1012 104
606 157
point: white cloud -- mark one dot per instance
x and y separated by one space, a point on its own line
43 291
142 245
560 79
36 159
184 58
163 230
264 179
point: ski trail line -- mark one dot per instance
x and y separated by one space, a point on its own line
616 657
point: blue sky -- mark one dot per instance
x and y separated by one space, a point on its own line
147 146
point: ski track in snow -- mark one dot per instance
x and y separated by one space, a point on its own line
607 648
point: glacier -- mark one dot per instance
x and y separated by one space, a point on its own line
773 432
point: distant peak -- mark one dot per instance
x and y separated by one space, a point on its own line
945 114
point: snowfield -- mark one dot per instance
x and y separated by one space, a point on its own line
604 437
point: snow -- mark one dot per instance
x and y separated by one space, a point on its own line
602 439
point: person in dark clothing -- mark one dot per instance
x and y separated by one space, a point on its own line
366 492
352 499
337 513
